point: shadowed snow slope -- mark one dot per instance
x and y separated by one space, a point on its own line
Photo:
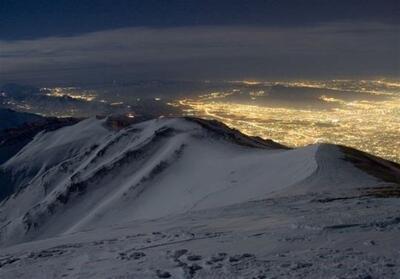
91 175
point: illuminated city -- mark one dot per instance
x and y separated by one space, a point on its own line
364 114
71 92
200 139
369 124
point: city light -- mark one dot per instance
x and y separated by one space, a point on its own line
369 125
70 92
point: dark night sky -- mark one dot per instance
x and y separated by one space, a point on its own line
88 40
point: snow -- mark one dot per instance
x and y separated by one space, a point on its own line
93 200
276 238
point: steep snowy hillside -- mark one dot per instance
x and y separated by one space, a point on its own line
16 130
108 189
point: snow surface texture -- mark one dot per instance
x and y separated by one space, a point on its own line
189 198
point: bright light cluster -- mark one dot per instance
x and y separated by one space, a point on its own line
70 92
371 126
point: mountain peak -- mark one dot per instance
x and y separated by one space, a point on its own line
83 176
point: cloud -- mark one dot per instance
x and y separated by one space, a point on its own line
205 52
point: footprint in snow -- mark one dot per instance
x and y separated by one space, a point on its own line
194 258
131 256
179 253
163 274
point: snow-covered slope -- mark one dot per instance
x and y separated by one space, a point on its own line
18 129
92 175
100 175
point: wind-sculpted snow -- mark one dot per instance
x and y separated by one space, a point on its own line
93 177
87 174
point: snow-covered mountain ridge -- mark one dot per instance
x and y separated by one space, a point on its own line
105 173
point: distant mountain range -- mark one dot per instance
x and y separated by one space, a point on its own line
12 119
192 198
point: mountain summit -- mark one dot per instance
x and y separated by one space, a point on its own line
114 178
